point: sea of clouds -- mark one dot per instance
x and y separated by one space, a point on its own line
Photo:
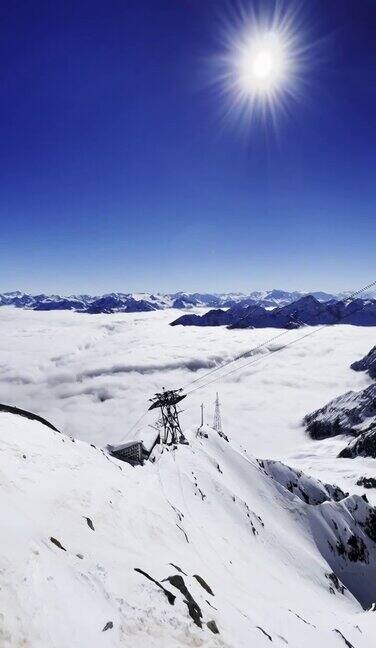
92 376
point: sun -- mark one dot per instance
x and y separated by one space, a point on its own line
261 67
262 63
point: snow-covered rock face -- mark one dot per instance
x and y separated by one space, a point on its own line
368 363
363 446
352 413
309 490
200 548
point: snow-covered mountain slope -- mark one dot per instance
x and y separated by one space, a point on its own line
118 302
306 310
351 413
228 547
368 363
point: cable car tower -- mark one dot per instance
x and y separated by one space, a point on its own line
167 401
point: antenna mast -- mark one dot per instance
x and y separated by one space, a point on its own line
217 422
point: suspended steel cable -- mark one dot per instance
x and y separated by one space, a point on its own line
251 351
272 339
277 350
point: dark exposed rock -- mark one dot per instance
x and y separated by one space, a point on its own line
90 523
352 413
363 446
341 549
212 606
170 597
57 543
369 525
335 583
368 363
264 632
178 568
185 535
357 550
301 619
109 625
193 608
203 584
213 627
348 644
366 482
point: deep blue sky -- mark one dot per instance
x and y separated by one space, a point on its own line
117 173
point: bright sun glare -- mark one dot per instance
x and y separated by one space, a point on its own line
262 63
261 66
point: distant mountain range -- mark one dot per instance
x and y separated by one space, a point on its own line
118 302
306 310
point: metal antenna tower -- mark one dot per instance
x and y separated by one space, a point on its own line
217 423
167 401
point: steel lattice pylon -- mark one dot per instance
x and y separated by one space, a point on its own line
167 402
217 423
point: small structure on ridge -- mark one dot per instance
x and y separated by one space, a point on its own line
132 452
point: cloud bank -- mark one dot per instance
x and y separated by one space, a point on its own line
92 376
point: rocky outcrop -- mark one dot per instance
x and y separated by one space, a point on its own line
366 482
353 413
363 446
368 363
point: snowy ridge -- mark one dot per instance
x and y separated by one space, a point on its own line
165 555
143 301
351 413
306 310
